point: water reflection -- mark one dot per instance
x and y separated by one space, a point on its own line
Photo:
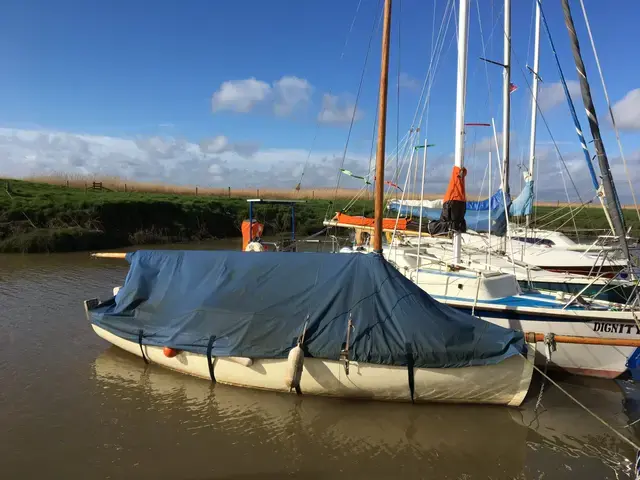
430 441
73 407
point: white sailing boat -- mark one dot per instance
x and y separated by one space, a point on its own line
495 296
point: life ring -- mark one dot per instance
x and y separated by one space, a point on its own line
254 247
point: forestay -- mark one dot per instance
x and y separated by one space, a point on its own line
256 305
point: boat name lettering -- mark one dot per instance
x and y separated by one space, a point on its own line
607 327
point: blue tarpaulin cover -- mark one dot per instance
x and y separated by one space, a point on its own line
257 303
523 204
476 216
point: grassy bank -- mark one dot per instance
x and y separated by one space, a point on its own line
40 217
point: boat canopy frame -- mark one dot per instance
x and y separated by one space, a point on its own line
263 201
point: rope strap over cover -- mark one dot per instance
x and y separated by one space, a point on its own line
144 357
209 359
410 367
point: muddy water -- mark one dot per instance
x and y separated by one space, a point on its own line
71 406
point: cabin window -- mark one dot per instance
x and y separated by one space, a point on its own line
535 241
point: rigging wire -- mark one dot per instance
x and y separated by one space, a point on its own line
397 173
583 406
546 124
355 106
573 217
613 120
414 122
428 82
430 79
315 135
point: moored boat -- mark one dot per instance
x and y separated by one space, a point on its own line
365 330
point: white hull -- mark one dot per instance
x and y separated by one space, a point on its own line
588 360
460 290
505 383
554 258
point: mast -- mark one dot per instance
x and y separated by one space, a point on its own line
506 97
534 100
461 92
382 125
611 196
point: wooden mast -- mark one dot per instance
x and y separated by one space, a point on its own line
382 125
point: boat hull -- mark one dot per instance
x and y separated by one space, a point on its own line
586 360
505 383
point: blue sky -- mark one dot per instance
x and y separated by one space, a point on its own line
229 93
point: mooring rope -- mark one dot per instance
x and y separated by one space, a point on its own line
584 407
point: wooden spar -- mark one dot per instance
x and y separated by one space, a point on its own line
612 342
382 125
118 255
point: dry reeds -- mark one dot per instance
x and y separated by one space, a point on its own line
124 185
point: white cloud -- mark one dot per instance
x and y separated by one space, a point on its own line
290 93
212 162
215 169
284 96
552 95
221 162
487 143
407 81
221 144
337 111
627 111
240 95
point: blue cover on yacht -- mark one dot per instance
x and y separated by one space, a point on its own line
523 204
256 304
476 216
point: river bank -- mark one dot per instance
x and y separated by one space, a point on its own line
36 217
39 217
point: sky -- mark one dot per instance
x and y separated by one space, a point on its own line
265 94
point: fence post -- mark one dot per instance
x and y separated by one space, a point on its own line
313 194
125 188
196 191
85 187
258 192
67 183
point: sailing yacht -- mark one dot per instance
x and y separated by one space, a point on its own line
492 295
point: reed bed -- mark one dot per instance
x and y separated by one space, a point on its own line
119 184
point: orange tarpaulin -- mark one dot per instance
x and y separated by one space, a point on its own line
387 223
455 190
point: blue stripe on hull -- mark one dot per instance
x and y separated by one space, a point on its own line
479 311
515 315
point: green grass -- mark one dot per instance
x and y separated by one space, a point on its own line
588 218
38 217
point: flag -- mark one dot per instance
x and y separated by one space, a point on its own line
351 174
512 87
